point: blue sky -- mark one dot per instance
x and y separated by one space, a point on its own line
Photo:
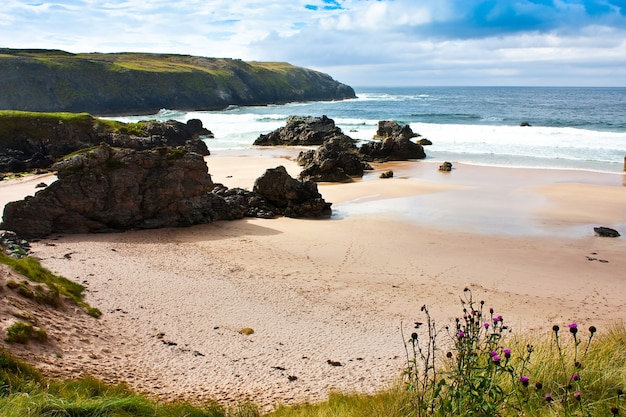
359 42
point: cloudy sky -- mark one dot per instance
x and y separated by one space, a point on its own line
359 42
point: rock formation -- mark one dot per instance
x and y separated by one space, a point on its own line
301 131
392 142
35 140
336 160
106 189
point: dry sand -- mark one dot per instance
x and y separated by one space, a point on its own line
338 290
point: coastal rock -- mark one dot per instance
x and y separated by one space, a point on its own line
392 129
35 140
386 174
392 142
107 189
336 160
292 197
606 232
445 167
300 131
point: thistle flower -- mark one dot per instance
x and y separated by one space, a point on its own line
556 328
490 310
486 326
577 395
496 359
548 397
507 353
575 377
524 380
538 385
449 355
414 336
614 410
493 353
460 334
592 329
573 328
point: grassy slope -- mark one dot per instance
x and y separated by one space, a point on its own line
48 80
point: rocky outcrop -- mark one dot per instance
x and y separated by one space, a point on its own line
106 189
392 142
336 160
35 140
300 131
293 198
139 83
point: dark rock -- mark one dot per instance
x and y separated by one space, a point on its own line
336 160
386 174
606 232
445 167
292 197
35 141
392 129
392 142
524 124
301 131
424 142
107 189
41 185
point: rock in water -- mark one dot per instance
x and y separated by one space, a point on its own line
301 131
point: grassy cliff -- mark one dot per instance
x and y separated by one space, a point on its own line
53 81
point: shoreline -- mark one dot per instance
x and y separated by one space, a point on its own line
337 289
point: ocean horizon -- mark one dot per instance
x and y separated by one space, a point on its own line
582 128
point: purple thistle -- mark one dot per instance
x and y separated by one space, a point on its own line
493 353
486 326
524 380
577 395
460 334
575 377
490 310
495 359
548 397
507 353
573 328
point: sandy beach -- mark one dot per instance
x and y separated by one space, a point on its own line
314 291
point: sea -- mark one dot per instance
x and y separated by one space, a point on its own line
574 131
581 128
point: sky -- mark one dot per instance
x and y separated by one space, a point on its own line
357 42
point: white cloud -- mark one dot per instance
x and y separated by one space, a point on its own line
358 42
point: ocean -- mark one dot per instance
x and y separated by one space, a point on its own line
570 128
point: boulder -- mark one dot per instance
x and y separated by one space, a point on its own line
445 167
386 174
300 131
606 232
336 160
392 142
392 129
291 197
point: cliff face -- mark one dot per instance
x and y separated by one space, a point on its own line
106 84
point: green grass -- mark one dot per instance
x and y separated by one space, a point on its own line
32 269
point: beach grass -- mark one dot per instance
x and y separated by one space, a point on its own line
597 390
56 285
